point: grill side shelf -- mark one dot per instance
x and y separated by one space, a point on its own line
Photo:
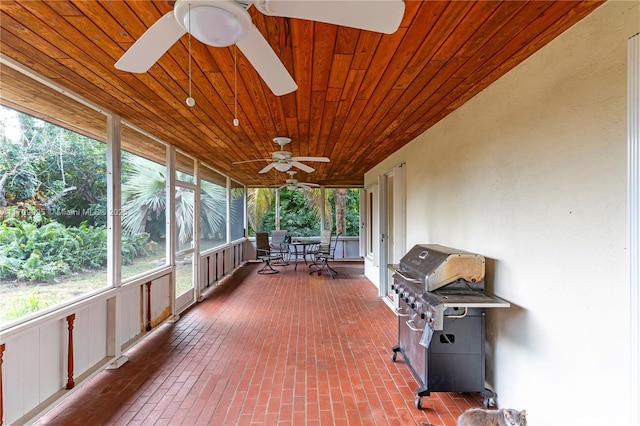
441 302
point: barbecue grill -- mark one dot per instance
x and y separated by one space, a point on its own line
441 328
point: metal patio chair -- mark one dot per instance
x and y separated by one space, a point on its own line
279 245
263 250
323 247
324 256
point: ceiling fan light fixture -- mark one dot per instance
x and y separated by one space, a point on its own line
282 167
216 26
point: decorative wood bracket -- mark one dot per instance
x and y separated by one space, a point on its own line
148 306
70 383
216 266
208 270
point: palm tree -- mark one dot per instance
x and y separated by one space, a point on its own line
212 208
144 197
339 196
340 199
259 201
314 200
144 185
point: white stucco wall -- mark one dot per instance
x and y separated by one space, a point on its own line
531 173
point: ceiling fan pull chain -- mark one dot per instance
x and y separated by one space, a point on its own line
190 101
236 122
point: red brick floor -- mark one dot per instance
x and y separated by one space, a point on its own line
283 349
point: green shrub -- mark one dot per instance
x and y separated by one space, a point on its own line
33 248
133 246
93 246
35 268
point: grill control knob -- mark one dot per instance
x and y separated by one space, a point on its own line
429 315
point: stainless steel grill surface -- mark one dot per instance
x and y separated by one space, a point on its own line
440 306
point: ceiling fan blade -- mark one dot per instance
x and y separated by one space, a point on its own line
259 52
309 184
268 167
318 159
151 45
252 161
372 15
302 166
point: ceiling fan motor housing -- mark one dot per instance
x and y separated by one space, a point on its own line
217 23
281 156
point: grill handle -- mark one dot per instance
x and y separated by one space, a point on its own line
464 314
413 280
412 327
401 312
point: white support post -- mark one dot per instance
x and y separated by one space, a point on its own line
277 219
114 242
171 226
196 265
362 236
633 136
323 216
228 211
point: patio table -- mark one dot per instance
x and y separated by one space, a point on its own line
300 249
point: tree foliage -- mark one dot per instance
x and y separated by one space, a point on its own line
144 186
296 216
35 248
300 210
259 202
144 195
57 170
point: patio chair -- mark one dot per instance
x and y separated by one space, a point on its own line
263 250
323 247
280 245
324 257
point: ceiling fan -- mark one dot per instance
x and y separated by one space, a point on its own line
221 23
283 160
292 183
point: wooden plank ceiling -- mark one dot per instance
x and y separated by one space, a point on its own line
361 95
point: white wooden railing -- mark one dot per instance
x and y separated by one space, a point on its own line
43 360
347 248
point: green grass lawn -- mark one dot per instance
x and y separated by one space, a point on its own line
19 298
